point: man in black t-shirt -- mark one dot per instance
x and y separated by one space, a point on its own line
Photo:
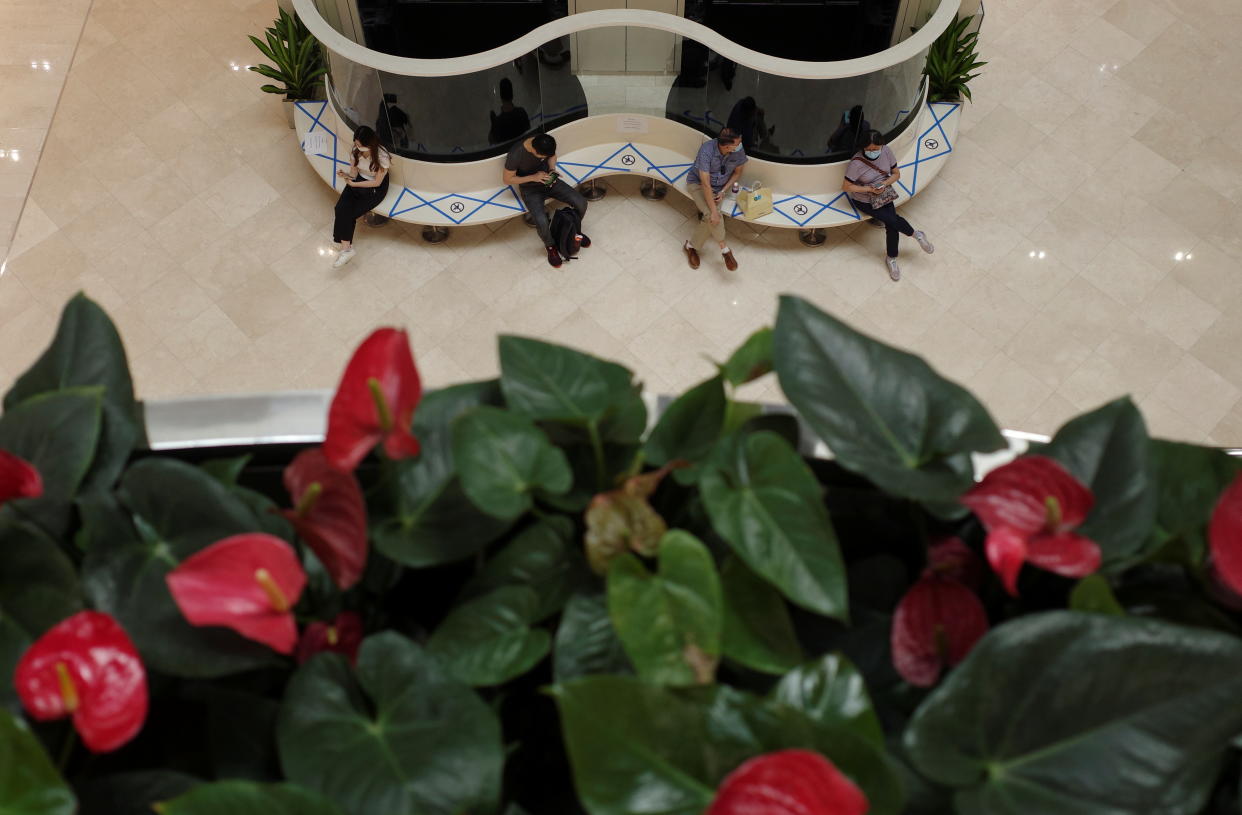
531 164
512 121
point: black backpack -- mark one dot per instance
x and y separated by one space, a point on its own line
566 226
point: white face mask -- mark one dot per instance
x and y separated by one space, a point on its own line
872 154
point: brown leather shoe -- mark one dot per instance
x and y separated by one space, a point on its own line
730 261
692 255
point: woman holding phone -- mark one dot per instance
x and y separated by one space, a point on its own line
869 180
366 184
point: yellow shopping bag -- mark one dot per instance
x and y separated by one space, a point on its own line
755 202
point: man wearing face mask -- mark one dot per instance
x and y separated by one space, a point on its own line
869 180
718 164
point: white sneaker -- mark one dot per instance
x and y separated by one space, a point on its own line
923 241
344 257
894 271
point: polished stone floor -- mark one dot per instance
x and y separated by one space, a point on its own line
1088 227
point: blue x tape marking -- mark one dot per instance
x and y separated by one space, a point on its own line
940 111
601 166
776 205
316 122
394 211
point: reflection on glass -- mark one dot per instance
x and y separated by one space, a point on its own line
785 118
625 70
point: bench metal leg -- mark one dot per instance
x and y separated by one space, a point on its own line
374 219
592 191
653 190
435 234
812 237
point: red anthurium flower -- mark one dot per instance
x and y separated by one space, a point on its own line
248 583
1029 508
952 559
341 636
18 478
86 667
329 514
936 624
375 402
1225 536
788 782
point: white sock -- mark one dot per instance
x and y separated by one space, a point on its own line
688 246
724 250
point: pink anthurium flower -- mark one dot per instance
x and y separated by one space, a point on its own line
1030 508
935 625
248 583
86 667
329 514
341 636
1225 537
788 782
18 478
375 402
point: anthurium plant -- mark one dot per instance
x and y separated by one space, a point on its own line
531 595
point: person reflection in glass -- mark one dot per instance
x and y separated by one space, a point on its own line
850 132
747 118
511 121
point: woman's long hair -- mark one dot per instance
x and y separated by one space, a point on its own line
369 139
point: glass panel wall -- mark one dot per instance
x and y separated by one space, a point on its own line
625 70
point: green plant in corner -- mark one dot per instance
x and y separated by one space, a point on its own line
295 55
950 61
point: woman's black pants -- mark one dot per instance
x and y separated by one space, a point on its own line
893 223
353 204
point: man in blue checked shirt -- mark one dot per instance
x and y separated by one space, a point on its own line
718 164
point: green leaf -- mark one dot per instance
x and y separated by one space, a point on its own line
29 784
1093 594
58 433
757 630
169 510
830 691
1107 449
1072 713
884 413
638 748
489 641
1188 482
249 798
440 407
541 557
764 501
586 642
430 520
552 383
670 622
752 360
503 458
38 583
13 643
397 736
690 425
87 351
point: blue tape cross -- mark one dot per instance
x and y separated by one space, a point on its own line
316 122
491 200
919 158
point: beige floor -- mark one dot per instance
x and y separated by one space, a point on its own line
1088 227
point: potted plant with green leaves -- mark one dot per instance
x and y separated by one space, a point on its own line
521 596
950 61
297 62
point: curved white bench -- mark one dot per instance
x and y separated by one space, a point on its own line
445 195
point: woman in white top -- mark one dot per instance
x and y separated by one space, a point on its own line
366 184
